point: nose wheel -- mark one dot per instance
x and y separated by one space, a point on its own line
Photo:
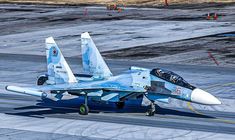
152 110
84 109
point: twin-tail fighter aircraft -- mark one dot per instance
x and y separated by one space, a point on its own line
154 85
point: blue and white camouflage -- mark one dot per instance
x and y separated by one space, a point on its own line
152 85
58 70
92 61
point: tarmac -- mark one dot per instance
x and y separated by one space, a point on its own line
22 59
27 115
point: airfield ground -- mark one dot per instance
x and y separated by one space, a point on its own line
163 35
178 38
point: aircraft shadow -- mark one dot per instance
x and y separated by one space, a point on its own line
65 107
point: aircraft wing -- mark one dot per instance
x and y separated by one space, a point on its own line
71 87
39 90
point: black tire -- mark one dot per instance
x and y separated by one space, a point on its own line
150 112
83 109
120 105
41 80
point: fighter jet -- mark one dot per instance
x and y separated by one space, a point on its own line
155 85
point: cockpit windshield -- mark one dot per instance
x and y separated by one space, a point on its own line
171 77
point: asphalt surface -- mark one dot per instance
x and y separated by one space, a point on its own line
165 118
151 34
25 68
24 28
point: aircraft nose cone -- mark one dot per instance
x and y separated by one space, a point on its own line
203 97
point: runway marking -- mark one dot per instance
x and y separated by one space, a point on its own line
216 120
192 109
226 84
225 121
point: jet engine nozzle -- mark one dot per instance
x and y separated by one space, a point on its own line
203 97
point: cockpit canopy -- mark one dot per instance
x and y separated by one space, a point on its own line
171 77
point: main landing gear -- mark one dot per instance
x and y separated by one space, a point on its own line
152 110
84 109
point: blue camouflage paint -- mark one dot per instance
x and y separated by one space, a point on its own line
86 59
176 90
53 57
155 84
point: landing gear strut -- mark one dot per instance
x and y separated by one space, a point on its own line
84 109
151 111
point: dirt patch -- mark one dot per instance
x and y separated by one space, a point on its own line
222 46
225 52
230 55
36 17
149 51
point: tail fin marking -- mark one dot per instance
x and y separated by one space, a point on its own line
58 69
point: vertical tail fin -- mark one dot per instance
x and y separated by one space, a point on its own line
57 68
91 59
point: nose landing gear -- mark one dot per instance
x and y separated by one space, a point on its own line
152 110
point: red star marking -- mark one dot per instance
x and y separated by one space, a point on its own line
54 51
